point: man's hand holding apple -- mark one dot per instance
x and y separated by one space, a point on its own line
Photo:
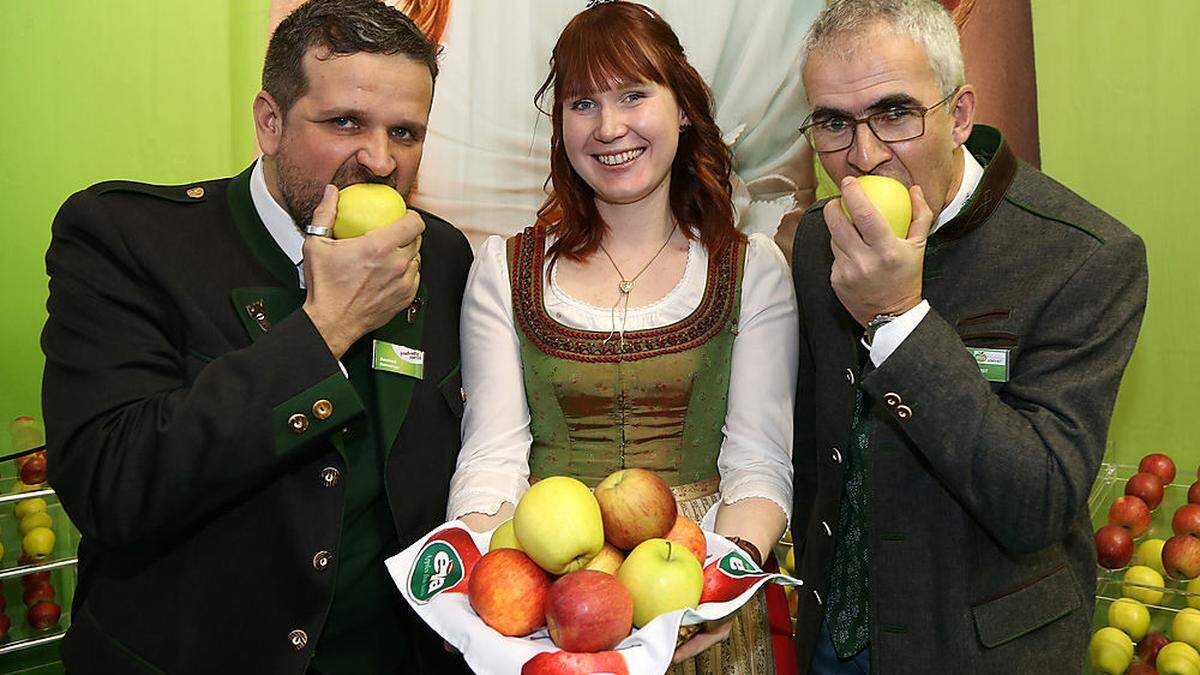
874 271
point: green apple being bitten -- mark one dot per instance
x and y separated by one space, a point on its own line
662 576
558 523
890 197
363 207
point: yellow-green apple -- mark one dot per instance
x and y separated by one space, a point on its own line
662 577
28 506
38 519
1178 658
43 614
363 207
504 537
1159 465
637 505
558 524
1187 520
1110 651
1149 646
1114 546
1193 587
1130 513
1185 627
685 531
588 611
1130 616
38 542
890 197
1143 576
608 560
1146 486
571 663
1149 553
508 591
1181 557
1193 495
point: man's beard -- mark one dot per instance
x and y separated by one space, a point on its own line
301 194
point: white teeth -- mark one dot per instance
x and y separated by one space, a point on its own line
620 158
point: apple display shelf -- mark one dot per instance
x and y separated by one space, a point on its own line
430 575
1110 584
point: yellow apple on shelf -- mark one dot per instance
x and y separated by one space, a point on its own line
1140 574
890 197
662 576
1178 658
37 519
1194 587
504 537
558 524
28 506
1130 616
363 207
1110 651
38 542
1185 627
1149 553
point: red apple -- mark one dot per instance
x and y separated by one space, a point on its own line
1130 513
38 592
1147 647
1194 493
636 505
5 624
3 602
687 533
1114 546
1187 520
35 578
1146 486
33 471
1141 668
1160 465
1181 557
508 591
588 611
570 663
43 614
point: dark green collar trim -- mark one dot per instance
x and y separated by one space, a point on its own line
987 145
255 234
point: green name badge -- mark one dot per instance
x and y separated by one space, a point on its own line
993 363
398 359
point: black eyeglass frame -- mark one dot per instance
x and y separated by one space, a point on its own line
806 128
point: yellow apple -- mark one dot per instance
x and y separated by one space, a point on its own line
1186 627
28 506
1140 574
1178 658
608 560
891 198
37 519
558 524
662 576
363 207
1110 651
38 542
504 537
1130 616
1194 587
1149 553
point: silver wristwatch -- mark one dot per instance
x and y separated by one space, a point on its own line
875 324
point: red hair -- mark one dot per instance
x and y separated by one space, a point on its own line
620 42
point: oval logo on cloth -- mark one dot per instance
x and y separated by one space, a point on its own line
443 565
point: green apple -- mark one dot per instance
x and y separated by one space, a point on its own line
38 542
1178 658
1149 553
662 576
558 524
1194 587
1110 651
504 537
891 198
1140 574
1186 627
36 519
363 207
1130 616
28 506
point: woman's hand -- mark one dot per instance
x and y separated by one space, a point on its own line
713 632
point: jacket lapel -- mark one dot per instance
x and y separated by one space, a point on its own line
393 392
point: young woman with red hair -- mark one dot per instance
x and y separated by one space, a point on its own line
633 325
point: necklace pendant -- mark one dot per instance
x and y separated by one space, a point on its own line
625 287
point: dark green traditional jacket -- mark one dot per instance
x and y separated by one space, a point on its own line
235 491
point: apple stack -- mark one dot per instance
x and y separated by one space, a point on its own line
589 566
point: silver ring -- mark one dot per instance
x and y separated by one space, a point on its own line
318 231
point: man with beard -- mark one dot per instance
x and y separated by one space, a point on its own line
237 461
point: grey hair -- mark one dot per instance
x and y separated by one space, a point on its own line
925 22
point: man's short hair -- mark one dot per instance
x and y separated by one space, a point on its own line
338 28
925 22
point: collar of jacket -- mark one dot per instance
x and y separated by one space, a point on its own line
987 145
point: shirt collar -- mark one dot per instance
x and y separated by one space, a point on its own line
972 174
279 224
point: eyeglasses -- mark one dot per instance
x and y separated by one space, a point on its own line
894 125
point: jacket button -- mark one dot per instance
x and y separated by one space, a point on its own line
321 560
322 409
298 423
903 412
195 192
835 455
891 399
299 639
330 476
849 376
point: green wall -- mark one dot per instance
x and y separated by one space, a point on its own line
1119 99
155 90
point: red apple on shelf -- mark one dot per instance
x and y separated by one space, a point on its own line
1160 465
1130 513
688 533
1187 520
35 578
1146 486
1141 668
1114 546
33 471
1181 557
588 611
38 592
43 614
508 591
1193 495
5 624
636 505
1147 647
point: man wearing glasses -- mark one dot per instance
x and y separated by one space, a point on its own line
956 386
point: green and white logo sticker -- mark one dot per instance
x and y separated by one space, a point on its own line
736 565
437 568
993 363
398 359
